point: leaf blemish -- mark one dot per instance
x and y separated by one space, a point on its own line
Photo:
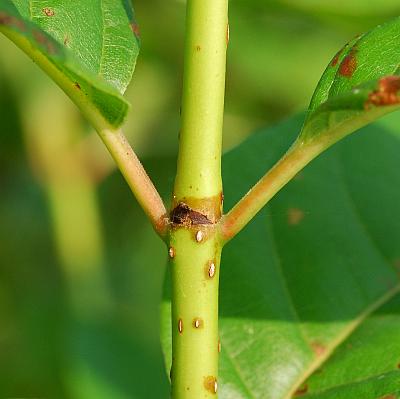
336 58
48 12
295 216
198 48
9 20
318 348
44 41
349 64
301 391
77 85
386 93
135 29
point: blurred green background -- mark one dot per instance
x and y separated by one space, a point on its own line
80 268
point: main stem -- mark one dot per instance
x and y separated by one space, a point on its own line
195 243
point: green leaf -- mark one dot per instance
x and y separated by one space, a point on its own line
310 268
360 368
89 48
360 84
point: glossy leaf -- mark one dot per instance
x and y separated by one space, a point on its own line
89 48
360 84
307 271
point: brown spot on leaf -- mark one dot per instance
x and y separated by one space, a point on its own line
77 85
9 20
183 215
198 48
318 348
210 384
301 391
336 58
299 176
48 11
135 29
44 41
386 93
349 64
295 216
5 19
66 40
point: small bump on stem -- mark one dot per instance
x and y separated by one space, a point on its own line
197 323
211 270
171 252
211 384
199 236
180 326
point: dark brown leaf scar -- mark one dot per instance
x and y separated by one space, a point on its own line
171 252
180 326
211 384
198 323
48 12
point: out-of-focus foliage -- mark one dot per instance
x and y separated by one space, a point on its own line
80 268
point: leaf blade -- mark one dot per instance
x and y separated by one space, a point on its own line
359 85
67 53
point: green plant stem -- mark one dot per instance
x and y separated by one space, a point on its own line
195 275
297 157
199 160
195 248
136 177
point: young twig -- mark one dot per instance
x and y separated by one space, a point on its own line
274 180
137 178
